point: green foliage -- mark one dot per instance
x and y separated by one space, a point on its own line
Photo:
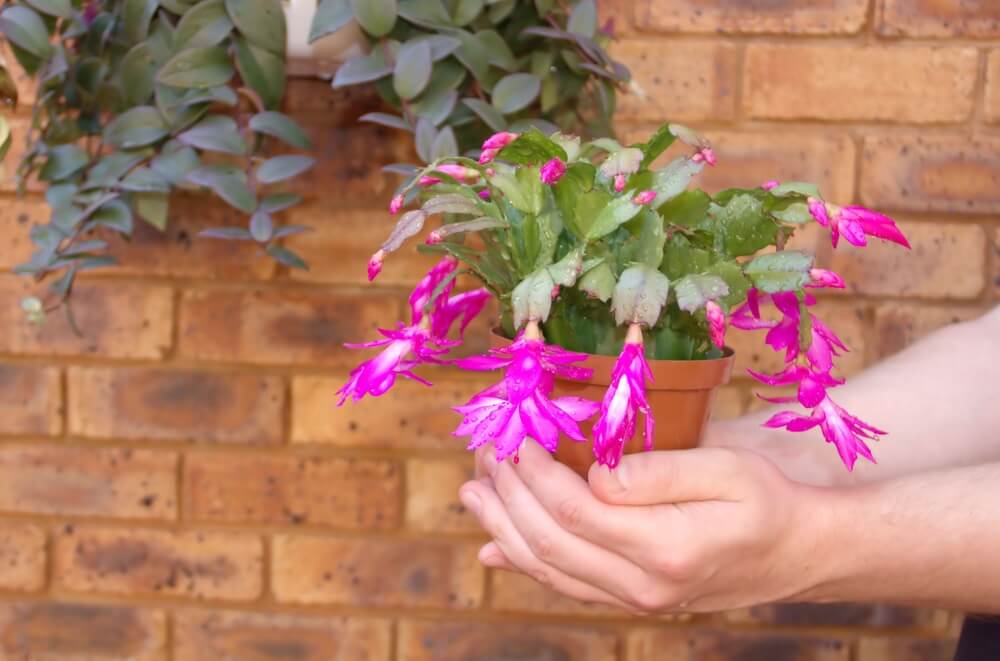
138 98
470 68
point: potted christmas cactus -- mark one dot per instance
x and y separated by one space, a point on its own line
615 285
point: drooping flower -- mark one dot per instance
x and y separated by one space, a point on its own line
846 432
519 406
396 204
811 385
553 171
770 185
716 323
624 399
375 264
420 298
645 197
465 306
855 223
619 183
459 172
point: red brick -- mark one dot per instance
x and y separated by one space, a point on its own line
272 327
22 557
898 325
373 572
696 82
860 83
666 644
51 479
198 565
933 18
342 241
332 491
942 173
905 649
512 592
116 320
175 405
434 641
81 632
180 252
17 215
993 87
780 16
211 636
841 615
30 400
432 502
410 415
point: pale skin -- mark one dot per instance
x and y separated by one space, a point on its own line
758 516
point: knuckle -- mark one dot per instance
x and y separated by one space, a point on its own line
542 577
569 513
541 546
649 599
673 564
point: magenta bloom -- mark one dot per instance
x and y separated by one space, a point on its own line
405 348
465 306
500 140
812 385
375 265
485 194
716 323
645 197
553 171
839 427
854 223
396 204
519 406
624 399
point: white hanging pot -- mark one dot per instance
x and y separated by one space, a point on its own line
322 57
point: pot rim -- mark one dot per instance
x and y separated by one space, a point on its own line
706 374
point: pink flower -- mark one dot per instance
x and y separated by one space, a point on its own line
433 238
705 154
553 171
623 401
770 185
839 427
461 173
420 297
619 183
375 265
823 278
500 140
519 406
396 204
854 223
716 323
812 385
645 197
465 306
488 155
405 348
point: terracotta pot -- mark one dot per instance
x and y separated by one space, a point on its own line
681 397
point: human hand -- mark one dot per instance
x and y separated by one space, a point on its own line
692 530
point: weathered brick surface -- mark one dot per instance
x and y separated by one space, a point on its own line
175 405
432 502
120 320
434 641
933 173
212 636
517 593
30 400
273 327
913 85
373 572
81 632
842 615
780 16
905 649
330 491
17 216
695 82
665 644
898 325
22 557
410 415
993 87
932 18
137 562
49 479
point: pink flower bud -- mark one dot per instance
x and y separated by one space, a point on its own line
426 181
433 238
609 27
500 140
555 292
396 204
485 194
645 197
488 155
491 172
619 183
716 323
459 172
824 278
553 171
375 265
770 185
706 155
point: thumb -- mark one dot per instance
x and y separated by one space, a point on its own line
675 476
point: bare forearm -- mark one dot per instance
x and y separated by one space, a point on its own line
930 539
936 398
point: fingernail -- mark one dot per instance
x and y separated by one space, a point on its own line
471 501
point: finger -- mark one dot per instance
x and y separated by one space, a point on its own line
571 554
570 502
517 553
676 476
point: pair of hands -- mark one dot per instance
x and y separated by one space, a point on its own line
691 530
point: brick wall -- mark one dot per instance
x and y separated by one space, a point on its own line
176 483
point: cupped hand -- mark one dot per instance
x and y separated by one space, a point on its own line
691 530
